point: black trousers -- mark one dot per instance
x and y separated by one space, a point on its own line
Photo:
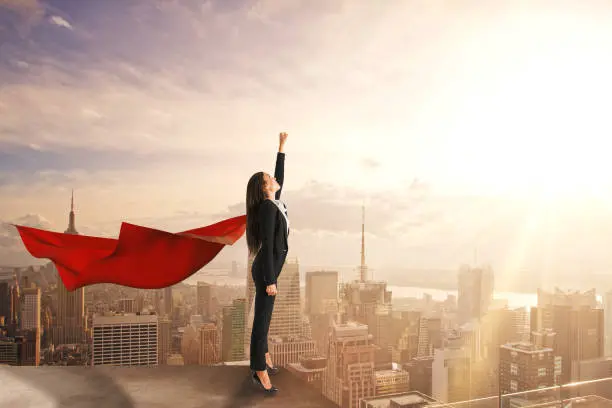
264 305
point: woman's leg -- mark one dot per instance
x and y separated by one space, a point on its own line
269 311
259 334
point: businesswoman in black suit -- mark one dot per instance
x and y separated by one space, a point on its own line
266 232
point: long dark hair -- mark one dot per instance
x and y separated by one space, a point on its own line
254 197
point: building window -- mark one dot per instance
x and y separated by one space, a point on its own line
541 355
541 372
514 369
513 386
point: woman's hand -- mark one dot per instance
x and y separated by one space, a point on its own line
271 290
282 138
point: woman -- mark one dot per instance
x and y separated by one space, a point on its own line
266 232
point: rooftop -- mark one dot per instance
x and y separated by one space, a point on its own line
526 347
155 387
402 399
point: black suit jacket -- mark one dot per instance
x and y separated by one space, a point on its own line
274 234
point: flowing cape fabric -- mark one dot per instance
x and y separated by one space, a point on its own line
141 257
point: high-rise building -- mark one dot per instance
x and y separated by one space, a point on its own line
70 324
29 345
310 370
349 375
209 344
157 301
125 340
127 306
5 300
451 374
521 323
420 374
190 346
498 327
429 335
594 369
607 298
9 351
164 347
321 292
525 366
250 285
15 305
287 314
203 298
30 309
233 331
407 336
475 292
285 352
392 381
139 302
365 300
168 302
250 305
577 323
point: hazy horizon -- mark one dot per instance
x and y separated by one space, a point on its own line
464 126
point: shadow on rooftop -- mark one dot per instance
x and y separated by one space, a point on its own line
155 387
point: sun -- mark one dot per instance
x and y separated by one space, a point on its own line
537 129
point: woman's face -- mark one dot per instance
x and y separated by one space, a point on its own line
271 186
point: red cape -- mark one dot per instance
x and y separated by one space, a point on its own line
141 257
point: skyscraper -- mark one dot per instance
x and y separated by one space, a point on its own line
125 340
168 302
15 300
475 292
366 301
30 309
607 298
578 324
164 347
5 300
250 305
451 374
70 324
524 367
127 306
209 344
349 375
233 331
321 292
287 314
203 298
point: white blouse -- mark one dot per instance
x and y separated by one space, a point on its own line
283 209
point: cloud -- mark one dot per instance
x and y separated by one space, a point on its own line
29 12
60 22
12 251
323 207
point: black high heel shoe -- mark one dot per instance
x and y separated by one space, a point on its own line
272 370
273 390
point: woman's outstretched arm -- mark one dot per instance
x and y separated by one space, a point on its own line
279 169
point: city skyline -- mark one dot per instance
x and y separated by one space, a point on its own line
470 139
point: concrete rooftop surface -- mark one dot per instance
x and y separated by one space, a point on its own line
154 387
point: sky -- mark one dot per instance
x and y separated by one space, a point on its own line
462 126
